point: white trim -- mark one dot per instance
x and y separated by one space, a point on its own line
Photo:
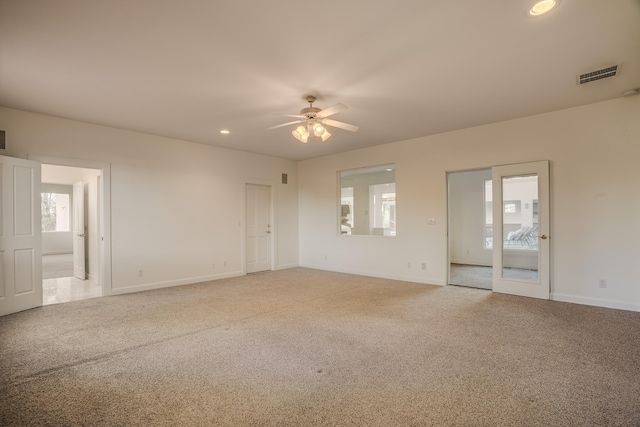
470 262
104 205
56 252
286 266
413 279
595 302
170 283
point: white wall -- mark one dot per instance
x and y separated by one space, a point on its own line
175 205
594 152
61 174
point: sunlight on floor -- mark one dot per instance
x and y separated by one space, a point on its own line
66 289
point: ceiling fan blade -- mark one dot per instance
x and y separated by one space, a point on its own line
285 124
332 110
297 116
341 125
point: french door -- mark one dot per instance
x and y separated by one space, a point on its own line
521 229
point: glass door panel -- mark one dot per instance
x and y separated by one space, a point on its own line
520 227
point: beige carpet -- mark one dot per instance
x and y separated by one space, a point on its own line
304 347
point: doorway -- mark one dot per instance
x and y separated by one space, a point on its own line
470 229
21 287
500 246
70 233
258 228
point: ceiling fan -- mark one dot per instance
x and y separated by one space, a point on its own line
314 120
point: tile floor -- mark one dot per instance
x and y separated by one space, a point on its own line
476 276
66 289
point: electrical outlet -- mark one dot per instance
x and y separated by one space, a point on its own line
408 265
213 265
224 264
424 265
140 273
602 283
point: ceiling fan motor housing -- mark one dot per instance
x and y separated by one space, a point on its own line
310 112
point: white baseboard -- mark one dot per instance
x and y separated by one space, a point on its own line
470 262
597 302
170 283
285 266
57 253
378 275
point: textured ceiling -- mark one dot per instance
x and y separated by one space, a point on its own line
186 69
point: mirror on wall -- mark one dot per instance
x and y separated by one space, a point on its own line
367 204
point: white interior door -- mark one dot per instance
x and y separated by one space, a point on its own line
20 235
521 229
258 227
79 269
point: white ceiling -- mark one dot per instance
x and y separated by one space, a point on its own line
187 68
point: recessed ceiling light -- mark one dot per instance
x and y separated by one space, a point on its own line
388 169
543 6
225 132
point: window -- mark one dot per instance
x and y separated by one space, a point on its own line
368 201
55 210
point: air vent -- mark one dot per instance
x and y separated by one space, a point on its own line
598 75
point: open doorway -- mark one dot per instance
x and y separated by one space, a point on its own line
470 229
70 206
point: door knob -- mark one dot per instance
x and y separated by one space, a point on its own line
268 231
543 237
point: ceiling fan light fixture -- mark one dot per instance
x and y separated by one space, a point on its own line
315 121
542 7
300 134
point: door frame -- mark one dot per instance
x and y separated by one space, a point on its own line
104 209
243 222
78 231
490 167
